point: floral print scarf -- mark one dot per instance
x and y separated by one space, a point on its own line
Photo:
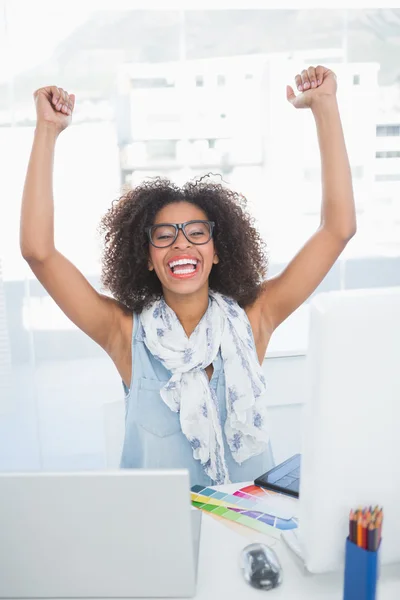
224 326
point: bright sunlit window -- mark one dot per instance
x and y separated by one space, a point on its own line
180 94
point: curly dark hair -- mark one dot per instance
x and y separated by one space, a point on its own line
242 253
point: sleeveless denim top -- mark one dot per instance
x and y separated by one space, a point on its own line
153 435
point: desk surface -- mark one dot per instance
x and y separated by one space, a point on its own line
220 578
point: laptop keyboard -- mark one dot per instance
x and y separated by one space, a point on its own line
290 480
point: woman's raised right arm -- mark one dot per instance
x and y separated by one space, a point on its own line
97 315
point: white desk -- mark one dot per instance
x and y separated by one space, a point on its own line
220 578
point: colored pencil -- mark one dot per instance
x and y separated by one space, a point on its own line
359 532
379 526
365 527
364 543
351 526
372 538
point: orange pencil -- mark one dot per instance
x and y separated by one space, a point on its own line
364 533
359 531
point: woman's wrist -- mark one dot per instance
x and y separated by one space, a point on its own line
47 129
324 106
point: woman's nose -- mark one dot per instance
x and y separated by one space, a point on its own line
181 241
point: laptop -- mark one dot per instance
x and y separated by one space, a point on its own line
113 534
284 478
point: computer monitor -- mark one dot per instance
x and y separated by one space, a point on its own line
351 426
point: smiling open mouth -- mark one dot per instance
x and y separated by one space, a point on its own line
184 267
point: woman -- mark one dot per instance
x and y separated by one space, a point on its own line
192 312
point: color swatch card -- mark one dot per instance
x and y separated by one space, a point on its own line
281 505
269 503
244 509
241 517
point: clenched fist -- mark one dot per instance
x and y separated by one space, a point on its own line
313 84
55 106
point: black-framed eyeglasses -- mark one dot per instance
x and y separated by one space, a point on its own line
197 232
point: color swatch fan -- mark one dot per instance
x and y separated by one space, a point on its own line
254 507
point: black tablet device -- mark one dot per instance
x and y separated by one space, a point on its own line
284 478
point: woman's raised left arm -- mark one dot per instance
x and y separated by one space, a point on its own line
285 292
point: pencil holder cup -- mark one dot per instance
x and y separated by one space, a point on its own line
360 573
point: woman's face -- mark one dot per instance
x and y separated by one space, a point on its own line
182 278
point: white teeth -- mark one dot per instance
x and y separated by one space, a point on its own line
183 271
182 261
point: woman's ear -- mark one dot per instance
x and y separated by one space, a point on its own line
215 259
150 264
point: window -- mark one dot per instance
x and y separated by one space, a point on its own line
161 149
388 154
130 119
154 82
323 60
387 177
357 172
387 130
164 118
312 174
40 313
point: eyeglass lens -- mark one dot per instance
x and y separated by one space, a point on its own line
196 232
